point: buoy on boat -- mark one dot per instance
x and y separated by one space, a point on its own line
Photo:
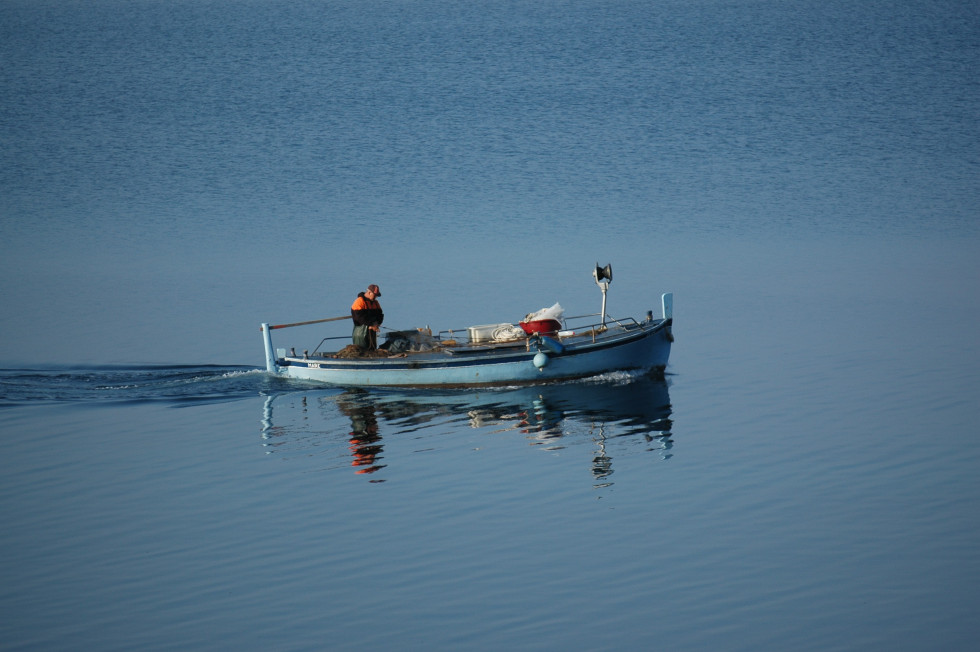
540 360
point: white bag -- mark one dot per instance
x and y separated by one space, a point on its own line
554 312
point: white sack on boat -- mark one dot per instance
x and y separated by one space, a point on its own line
554 312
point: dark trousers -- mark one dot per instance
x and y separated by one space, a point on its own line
365 338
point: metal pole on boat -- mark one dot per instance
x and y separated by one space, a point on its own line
601 274
270 359
668 305
605 287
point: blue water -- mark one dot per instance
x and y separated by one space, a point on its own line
803 176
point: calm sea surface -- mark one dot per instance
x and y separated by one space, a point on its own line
804 177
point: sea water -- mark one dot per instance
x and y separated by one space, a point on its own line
803 176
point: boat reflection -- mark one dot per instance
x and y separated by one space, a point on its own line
624 410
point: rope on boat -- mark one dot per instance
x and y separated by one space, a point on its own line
507 332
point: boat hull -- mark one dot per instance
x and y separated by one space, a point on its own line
646 346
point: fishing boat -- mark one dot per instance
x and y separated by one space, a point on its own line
544 347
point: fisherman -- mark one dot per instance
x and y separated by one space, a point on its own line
367 315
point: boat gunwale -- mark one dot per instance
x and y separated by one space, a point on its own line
493 354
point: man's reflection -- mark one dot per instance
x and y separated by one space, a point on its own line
364 438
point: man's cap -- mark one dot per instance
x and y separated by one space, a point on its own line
375 289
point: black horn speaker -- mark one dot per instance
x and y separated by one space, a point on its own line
602 273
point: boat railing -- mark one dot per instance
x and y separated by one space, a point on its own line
459 336
316 351
627 322
571 327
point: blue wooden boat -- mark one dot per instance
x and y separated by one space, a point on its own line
578 347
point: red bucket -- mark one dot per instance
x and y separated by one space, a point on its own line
543 326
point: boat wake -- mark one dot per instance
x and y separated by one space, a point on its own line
174 384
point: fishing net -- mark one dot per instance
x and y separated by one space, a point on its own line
351 351
409 341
